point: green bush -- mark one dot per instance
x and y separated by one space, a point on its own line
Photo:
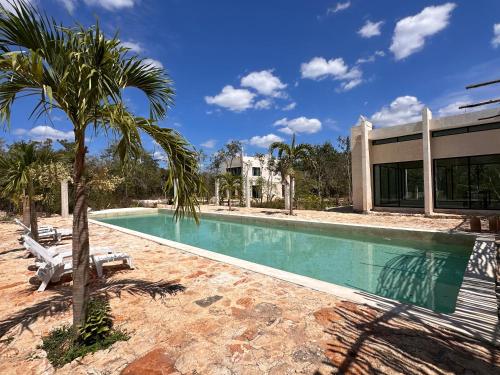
276 203
65 344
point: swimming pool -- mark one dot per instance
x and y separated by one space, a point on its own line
423 273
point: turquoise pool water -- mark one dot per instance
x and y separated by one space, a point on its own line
420 273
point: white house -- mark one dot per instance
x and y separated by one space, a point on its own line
257 178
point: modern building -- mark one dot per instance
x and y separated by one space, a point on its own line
448 164
260 181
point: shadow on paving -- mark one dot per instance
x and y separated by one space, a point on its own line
61 301
361 343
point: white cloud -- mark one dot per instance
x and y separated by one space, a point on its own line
154 63
264 82
410 32
112 4
265 140
370 58
263 104
233 99
209 143
43 132
319 68
496 35
370 29
402 110
7 4
452 109
299 125
70 5
159 155
339 7
134 46
289 107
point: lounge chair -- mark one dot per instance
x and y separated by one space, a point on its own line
46 231
53 266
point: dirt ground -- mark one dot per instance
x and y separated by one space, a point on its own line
191 315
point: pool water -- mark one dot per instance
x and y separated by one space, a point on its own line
420 273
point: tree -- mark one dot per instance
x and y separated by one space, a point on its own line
230 183
289 156
83 73
17 177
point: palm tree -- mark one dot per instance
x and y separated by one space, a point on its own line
289 155
83 73
17 175
230 183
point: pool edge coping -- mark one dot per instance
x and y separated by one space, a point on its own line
451 321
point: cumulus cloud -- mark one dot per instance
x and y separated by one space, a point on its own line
70 5
263 104
411 32
233 99
339 7
495 42
452 109
299 125
7 4
112 4
371 58
209 143
370 29
160 156
134 46
289 106
402 110
154 63
264 82
43 132
319 68
265 140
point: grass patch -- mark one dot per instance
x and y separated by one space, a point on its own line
65 344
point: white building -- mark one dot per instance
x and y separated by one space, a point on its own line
257 178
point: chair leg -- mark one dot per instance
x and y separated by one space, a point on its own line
98 268
44 283
130 262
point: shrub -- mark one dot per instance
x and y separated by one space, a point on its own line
65 344
276 203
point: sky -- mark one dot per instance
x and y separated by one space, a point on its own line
259 71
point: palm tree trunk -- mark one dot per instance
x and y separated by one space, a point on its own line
292 192
80 236
229 200
32 210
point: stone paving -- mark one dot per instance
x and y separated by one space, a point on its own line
440 222
191 315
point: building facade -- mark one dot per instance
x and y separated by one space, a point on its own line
258 181
449 164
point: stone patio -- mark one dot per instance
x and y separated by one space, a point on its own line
191 315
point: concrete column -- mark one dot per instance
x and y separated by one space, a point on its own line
217 192
366 170
176 188
247 191
64 199
287 193
427 159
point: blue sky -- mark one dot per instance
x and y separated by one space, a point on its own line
260 70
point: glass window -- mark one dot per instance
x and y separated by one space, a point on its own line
236 171
255 192
472 182
399 184
255 171
451 183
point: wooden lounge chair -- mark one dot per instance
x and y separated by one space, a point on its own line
46 231
52 266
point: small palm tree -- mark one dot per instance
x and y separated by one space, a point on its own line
289 155
230 183
17 177
83 73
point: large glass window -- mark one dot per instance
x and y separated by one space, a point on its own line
256 171
471 182
399 184
234 171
